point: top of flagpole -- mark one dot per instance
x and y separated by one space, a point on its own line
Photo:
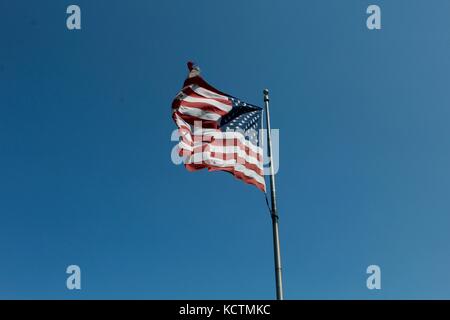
266 94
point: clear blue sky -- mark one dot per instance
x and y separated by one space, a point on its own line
85 170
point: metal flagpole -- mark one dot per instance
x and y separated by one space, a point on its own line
274 211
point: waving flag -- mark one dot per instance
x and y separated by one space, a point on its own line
218 131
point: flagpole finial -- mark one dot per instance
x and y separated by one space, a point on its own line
266 94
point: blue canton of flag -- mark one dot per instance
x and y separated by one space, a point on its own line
245 118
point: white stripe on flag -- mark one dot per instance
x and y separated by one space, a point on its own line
199 113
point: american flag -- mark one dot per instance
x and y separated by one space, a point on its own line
217 131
